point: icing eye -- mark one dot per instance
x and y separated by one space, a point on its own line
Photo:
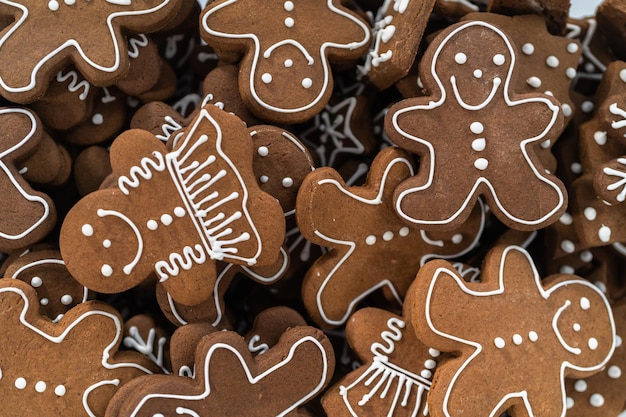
499 59
87 230
460 58
585 304
593 343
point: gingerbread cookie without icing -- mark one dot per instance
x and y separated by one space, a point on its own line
528 335
174 213
285 50
489 148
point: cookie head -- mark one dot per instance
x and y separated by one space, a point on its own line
473 62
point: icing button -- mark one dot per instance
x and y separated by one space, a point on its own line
481 164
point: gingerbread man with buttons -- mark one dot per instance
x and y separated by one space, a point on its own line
286 49
475 136
514 337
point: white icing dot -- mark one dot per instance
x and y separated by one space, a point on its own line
477 128
587 106
307 83
59 390
566 219
166 219
576 167
590 213
533 336
263 151
288 6
568 246
586 256
430 364
572 48
569 402
387 236
87 230
370 240
40 386
266 78
593 343
264 179
66 300
404 231
596 400
460 58
152 225
481 164
106 243
499 342
287 182
604 234
588 66
567 269
567 109
426 374
580 386
478 73
517 339
528 48
618 341
622 75
179 212
289 22
97 119
545 144
499 59
479 144
549 93
552 61
36 282
434 352
106 270
534 82
614 372
585 304
288 63
44 301
600 285
20 383
576 327
53 5
457 238
600 138
70 2
570 73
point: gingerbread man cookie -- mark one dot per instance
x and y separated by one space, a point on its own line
68 368
175 213
371 248
32 49
474 129
228 380
546 330
285 50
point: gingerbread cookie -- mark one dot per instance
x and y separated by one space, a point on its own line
228 380
93 39
397 369
371 248
74 367
609 181
289 51
468 71
556 328
174 213
27 216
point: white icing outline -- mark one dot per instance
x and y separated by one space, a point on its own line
43 262
257 53
251 379
461 284
58 339
70 43
75 83
259 349
11 177
431 152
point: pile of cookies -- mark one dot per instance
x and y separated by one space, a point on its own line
312 207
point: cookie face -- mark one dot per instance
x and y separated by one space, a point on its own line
229 380
560 327
286 49
92 39
475 129
175 213
73 365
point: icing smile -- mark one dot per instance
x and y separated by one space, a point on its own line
555 319
495 84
